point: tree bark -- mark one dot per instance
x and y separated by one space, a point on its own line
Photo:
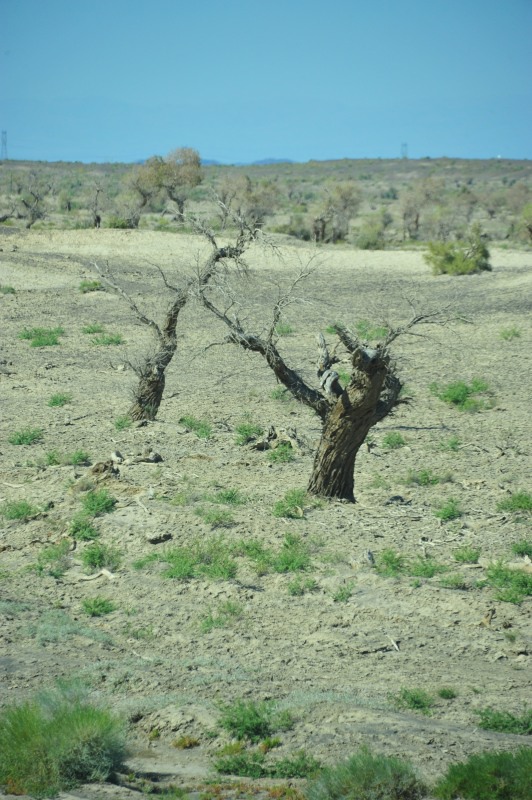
347 426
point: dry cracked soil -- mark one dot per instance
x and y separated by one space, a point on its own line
334 643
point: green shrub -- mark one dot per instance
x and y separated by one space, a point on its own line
245 764
513 584
226 614
459 258
42 337
82 529
77 457
299 587
488 776
247 432
415 700
392 441
523 548
59 399
510 333
97 556
94 327
504 722
425 568
201 428
18 509
369 331
389 563
216 517
462 395
123 422
448 510
519 501
371 237
367 777
90 286
107 339
292 504
97 502
254 721
117 222
98 606
48 746
26 436
446 693
54 560
423 477
7 290
230 497
344 593
467 554
282 454
283 329
203 559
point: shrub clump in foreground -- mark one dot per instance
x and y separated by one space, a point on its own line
366 776
489 776
53 744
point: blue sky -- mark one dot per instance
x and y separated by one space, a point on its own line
242 80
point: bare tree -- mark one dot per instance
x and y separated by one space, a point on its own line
152 372
331 221
346 414
32 199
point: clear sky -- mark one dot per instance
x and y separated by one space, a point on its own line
243 80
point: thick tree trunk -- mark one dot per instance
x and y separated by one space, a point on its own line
346 428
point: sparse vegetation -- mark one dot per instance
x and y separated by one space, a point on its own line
26 436
226 614
203 559
461 257
42 337
467 554
507 334
344 593
283 454
216 517
94 327
59 399
505 722
98 606
254 720
7 289
393 440
448 510
523 548
90 286
123 422
18 509
97 556
54 559
202 429
513 584
97 502
462 395
107 339
414 700
247 432
292 505
518 501
389 563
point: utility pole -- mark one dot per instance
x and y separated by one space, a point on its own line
3 153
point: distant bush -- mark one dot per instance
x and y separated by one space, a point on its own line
371 237
461 257
118 222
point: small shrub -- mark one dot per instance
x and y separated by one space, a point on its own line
18 509
423 477
462 395
519 501
389 563
59 399
371 236
452 444
523 548
94 327
283 329
204 559
247 432
254 721
344 593
425 568
201 428
26 436
467 554
107 339
367 777
415 700
392 441
123 423
244 764
513 584
98 606
120 223
216 517
54 560
7 290
90 286
294 555
97 556
186 743
446 693
510 333
82 529
459 258
282 454
280 393
488 776
299 587
97 502
51 745
52 458
298 765
77 457
504 722
291 506
448 510
369 331
226 614
454 582
231 497
42 337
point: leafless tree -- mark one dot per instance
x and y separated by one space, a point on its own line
346 414
152 372
32 199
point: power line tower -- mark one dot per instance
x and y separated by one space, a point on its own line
404 150
3 153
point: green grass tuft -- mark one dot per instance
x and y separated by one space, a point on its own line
98 606
254 721
201 428
90 286
26 436
519 501
393 440
282 454
488 776
414 700
97 502
42 337
462 395
448 510
97 556
18 509
107 340
292 504
247 432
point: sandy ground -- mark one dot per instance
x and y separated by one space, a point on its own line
336 664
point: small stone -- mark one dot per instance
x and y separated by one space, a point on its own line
158 537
